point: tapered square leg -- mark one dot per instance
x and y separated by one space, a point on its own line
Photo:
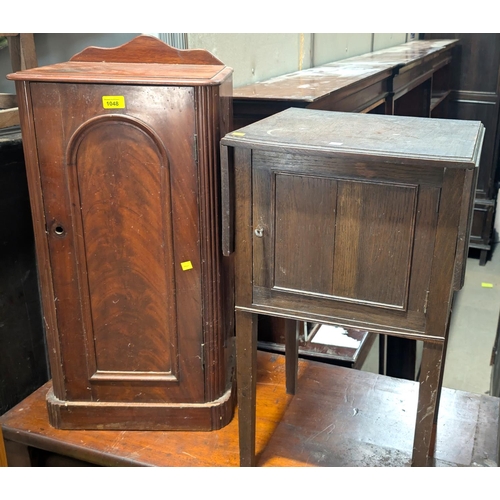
291 354
246 375
428 404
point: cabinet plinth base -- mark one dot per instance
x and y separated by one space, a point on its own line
89 415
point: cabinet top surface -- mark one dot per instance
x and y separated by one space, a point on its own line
311 84
363 134
132 73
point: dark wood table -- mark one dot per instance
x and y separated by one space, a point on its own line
361 420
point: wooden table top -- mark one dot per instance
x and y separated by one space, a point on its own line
338 417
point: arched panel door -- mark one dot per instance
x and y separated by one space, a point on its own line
122 229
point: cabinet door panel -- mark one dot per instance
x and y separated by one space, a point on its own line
302 229
350 234
121 187
124 193
374 240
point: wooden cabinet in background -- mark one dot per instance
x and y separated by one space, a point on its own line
23 358
475 84
121 151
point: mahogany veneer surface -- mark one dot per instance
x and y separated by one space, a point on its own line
338 417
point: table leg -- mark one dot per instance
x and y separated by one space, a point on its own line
246 375
428 403
382 341
291 353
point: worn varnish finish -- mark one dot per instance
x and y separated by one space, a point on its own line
338 418
392 196
136 299
341 86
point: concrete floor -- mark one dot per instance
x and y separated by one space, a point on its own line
472 330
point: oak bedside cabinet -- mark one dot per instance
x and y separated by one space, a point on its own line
348 219
122 158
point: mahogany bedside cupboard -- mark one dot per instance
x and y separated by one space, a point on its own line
122 157
349 219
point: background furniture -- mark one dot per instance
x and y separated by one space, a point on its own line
121 151
307 249
420 85
475 84
22 56
375 414
340 346
24 364
347 85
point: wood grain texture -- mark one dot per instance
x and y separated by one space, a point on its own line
361 420
375 231
137 73
33 176
124 190
298 225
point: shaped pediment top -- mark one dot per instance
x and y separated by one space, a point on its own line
146 49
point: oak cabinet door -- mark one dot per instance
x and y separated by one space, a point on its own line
343 243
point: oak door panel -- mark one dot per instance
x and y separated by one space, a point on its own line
349 234
374 241
302 229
